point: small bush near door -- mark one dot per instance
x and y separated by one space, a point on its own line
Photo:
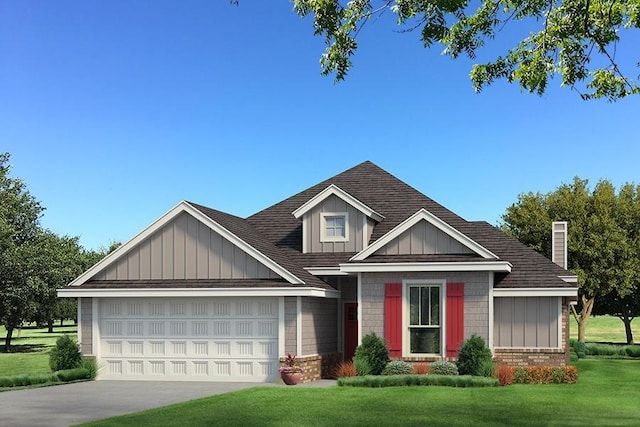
65 355
346 369
374 350
473 356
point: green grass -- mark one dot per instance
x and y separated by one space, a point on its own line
607 329
606 394
30 351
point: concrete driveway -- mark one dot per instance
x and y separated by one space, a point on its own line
68 404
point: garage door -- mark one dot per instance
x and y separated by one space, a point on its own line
198 339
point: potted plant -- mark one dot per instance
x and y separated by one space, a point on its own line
290 373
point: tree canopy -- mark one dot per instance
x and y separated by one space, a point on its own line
575 39
603 239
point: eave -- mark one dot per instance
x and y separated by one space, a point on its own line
77 292
494 266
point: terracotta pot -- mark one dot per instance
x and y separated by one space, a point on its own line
291 378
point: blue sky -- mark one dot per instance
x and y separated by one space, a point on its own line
115 111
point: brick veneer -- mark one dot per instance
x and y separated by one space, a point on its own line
318 366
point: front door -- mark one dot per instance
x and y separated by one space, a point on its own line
350 329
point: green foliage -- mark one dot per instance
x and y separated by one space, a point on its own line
65 355
417 380
632 351
91 366
473 354
443 367
572 39
541 374
581 349
362 365
595 349
398 367
520 375
75 374
374 350
487 368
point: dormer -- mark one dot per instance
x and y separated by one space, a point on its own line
335 221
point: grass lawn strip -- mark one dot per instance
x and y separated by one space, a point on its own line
606 329
606 394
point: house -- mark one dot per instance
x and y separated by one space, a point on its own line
204 295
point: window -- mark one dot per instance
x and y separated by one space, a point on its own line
425 315
334 227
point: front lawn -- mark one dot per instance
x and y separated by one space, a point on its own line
605 329
606 394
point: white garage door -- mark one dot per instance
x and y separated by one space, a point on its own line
189 339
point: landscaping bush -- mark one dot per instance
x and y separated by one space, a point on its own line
374 350
362 366
91 365
346 369
558 375
73 374
420 368
581 349
537 375
472 355
417 380
487 369
65 355
504 374
571 374
397 367
596 349
442 367
520 375
632 351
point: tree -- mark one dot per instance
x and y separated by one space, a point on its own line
19 223
576 39
602 242
625 308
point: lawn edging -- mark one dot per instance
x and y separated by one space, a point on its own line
417 380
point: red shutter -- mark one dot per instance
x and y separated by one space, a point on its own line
455 318
393 318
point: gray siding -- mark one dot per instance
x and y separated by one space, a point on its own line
319 325
423 239
530 322
85 323
290 325
476 299
186 249
355 227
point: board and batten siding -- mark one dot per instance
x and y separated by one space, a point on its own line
355 227
531 322
423 239
185 248
85 323
319 325
290 325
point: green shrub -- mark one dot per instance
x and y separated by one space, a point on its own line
91 365
558 375
581 349
362 366
398 367
374 350
442 367
573 357
417 380
487 369
596 349
27 380
73 374
65 355
632 351
520 375
473 354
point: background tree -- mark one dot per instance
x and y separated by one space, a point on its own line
575 39
602 241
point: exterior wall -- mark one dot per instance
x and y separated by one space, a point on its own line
319 325
526 322
186 249
476 299
355 227
290 325
85 323
538 356
318 366
423 239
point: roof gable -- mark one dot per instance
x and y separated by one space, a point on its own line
334 190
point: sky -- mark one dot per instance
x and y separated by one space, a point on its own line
113 112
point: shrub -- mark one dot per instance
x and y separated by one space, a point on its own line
487 369
91 365
374 350
581 349
73 374
539 374
362 366
632 351
595 349
520 375
346 369
65 355
473 354
442 367
417 380
504 374
397 367
558 375
420 368
571 376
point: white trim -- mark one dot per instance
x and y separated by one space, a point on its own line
491 310
338 192
569 279
299 326
326 271
164 219
281 328
79 317
563 230
425 215
359 298
560 337
406 345
323 227
381 267
95 328
199 292
535 292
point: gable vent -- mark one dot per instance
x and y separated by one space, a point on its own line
559 243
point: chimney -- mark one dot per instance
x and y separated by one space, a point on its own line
559 243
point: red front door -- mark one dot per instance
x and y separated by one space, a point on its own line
350 329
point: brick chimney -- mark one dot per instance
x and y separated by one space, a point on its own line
559 243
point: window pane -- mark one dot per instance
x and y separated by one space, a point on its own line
425 340
424 308
435 305
339 221
414 306
330 232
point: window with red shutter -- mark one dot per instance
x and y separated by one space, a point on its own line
393 318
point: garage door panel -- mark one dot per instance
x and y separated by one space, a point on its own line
214 339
